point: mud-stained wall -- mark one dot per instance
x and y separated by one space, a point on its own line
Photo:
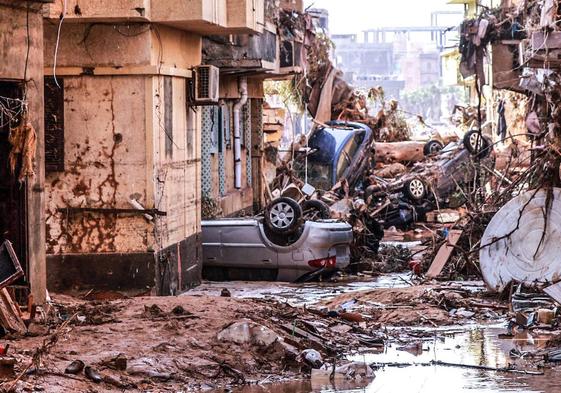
175 48
98 45
177 161
120 45
100 10
105 167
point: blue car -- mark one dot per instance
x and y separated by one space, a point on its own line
340 151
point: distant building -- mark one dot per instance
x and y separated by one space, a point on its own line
368 64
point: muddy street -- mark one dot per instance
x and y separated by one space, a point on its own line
280 196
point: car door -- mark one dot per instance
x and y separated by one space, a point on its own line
212 243
243 247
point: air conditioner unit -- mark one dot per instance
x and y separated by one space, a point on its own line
207 86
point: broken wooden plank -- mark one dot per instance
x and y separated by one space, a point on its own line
9 316
554 291
444 253
10 267
316 341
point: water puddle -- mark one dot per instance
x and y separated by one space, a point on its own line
468 344
300 294
479 346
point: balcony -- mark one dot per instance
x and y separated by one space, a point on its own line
220 17
243 54
199 16
100 11
266 54
246 16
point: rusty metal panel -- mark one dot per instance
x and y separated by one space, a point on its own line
54 125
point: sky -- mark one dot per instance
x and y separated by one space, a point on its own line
353 16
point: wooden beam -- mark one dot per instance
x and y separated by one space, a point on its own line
444 253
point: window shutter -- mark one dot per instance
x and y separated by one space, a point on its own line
54 125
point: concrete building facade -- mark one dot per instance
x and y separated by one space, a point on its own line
124 194
232 181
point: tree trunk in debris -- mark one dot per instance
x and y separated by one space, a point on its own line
504 159
399 152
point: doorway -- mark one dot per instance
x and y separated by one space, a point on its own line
13 210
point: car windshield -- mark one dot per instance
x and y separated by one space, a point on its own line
348 153
332 149
320 175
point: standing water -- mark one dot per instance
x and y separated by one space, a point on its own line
469 345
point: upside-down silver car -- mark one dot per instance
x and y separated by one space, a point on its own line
245 249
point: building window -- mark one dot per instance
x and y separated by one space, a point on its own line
54 125
168 115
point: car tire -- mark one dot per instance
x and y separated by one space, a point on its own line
432 147
316 209
477 144
283 216
415 189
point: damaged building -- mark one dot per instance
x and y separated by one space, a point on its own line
127 114
232 137
22 163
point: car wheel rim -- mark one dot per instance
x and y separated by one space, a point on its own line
434 148
282 215
475 141
417 188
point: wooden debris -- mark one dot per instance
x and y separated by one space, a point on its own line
10 318
444 253
554 291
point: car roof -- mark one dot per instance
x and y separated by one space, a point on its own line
329 141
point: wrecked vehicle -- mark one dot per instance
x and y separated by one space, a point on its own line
341 151
446 181
246 249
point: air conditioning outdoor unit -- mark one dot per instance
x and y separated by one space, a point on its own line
207 86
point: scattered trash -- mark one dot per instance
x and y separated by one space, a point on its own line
312 358
349 371
92 374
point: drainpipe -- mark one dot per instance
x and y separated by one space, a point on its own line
242 83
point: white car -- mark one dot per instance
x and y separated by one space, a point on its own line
243 249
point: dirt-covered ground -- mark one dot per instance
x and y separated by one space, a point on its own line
199 342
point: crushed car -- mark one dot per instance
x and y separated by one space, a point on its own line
280 247
446 179
339 151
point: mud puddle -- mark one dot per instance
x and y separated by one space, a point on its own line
475 346
300 294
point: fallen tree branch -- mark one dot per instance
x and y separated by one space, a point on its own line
459 365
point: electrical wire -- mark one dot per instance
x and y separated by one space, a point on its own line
62 16
28 41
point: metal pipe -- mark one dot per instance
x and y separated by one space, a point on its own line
242 83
